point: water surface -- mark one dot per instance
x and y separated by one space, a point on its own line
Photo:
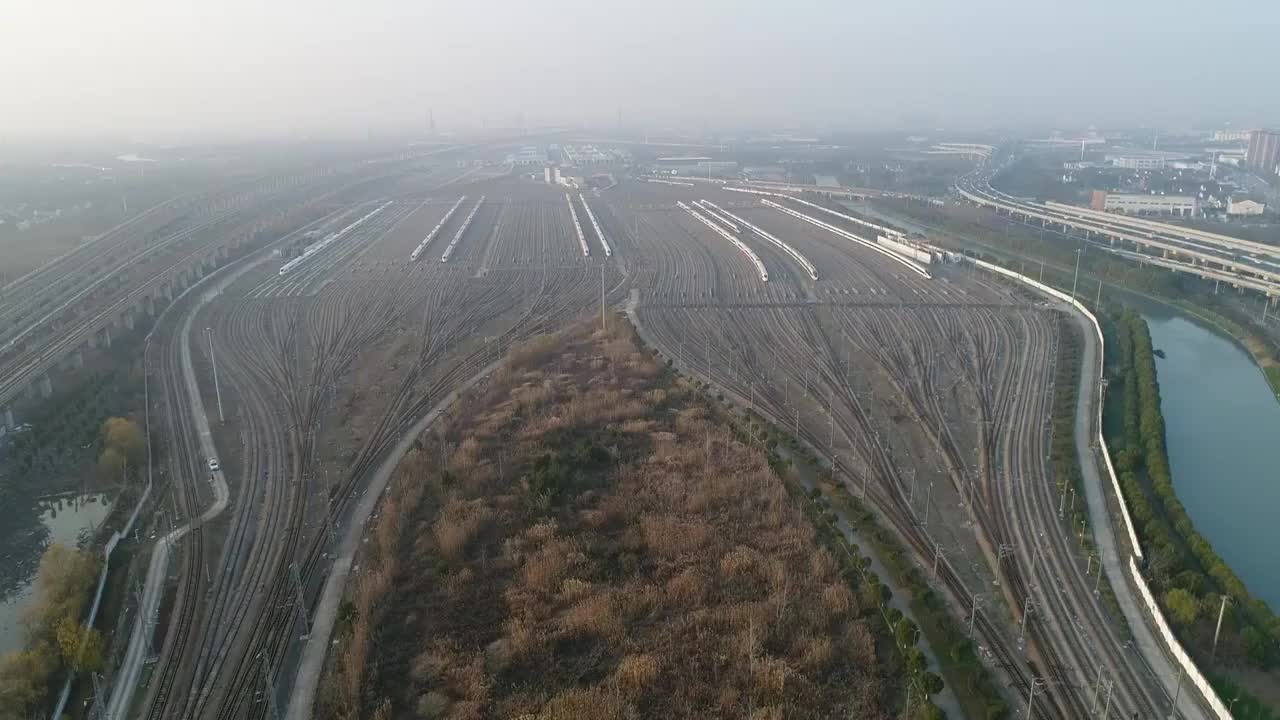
61 521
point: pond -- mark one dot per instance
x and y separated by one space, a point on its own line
1222 427
63 520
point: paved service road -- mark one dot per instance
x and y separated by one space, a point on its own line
1115 560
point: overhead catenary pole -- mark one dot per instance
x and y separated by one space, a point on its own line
1031 695
214 359
1026 610
1076 277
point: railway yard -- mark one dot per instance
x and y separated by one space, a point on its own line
928 388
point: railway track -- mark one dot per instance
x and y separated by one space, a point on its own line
957 347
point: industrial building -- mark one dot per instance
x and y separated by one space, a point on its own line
1245 207
1231 135
1144 160
1264 152
528 155
1140 204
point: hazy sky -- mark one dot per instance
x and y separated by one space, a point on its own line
166 68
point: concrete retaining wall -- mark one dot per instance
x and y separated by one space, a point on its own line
1175 648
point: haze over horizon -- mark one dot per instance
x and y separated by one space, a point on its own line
154 71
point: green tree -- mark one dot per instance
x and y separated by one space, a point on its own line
111 465
80 646
1183 606
125 438
24 678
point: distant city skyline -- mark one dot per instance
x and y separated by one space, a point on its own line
157 71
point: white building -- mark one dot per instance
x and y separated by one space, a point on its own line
1140 204
1231 135
1245 206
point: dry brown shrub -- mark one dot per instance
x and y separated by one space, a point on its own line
637 427
533 352
769 675
687 590
466 710
862 645
769 712
597 517
456 582
636 673
469 680
821 565
585 704
432 705
692 422
530 397
729 701
778 576
465 456
574 589
541 532
433 663
814 653
636 603
738 562
459 522
521 636
837 600
594 615
544 568
670 537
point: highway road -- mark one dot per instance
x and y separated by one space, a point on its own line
1244 263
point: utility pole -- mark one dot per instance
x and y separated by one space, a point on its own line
977 604
1005 550
1076 277
214 359
269 689
1106 709
928 496
1097 686
937 553
708 359
1177 692
1218 630
603 324
1031 695
1026 610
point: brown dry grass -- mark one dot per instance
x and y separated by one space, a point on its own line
634 560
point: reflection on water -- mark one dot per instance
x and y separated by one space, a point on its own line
59 521
1222 427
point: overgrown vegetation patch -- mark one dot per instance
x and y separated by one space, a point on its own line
584 538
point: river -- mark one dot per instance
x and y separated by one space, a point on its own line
1222 428
61 521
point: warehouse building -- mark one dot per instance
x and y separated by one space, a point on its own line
1140 204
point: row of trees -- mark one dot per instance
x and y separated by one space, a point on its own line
55 639
1188 575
